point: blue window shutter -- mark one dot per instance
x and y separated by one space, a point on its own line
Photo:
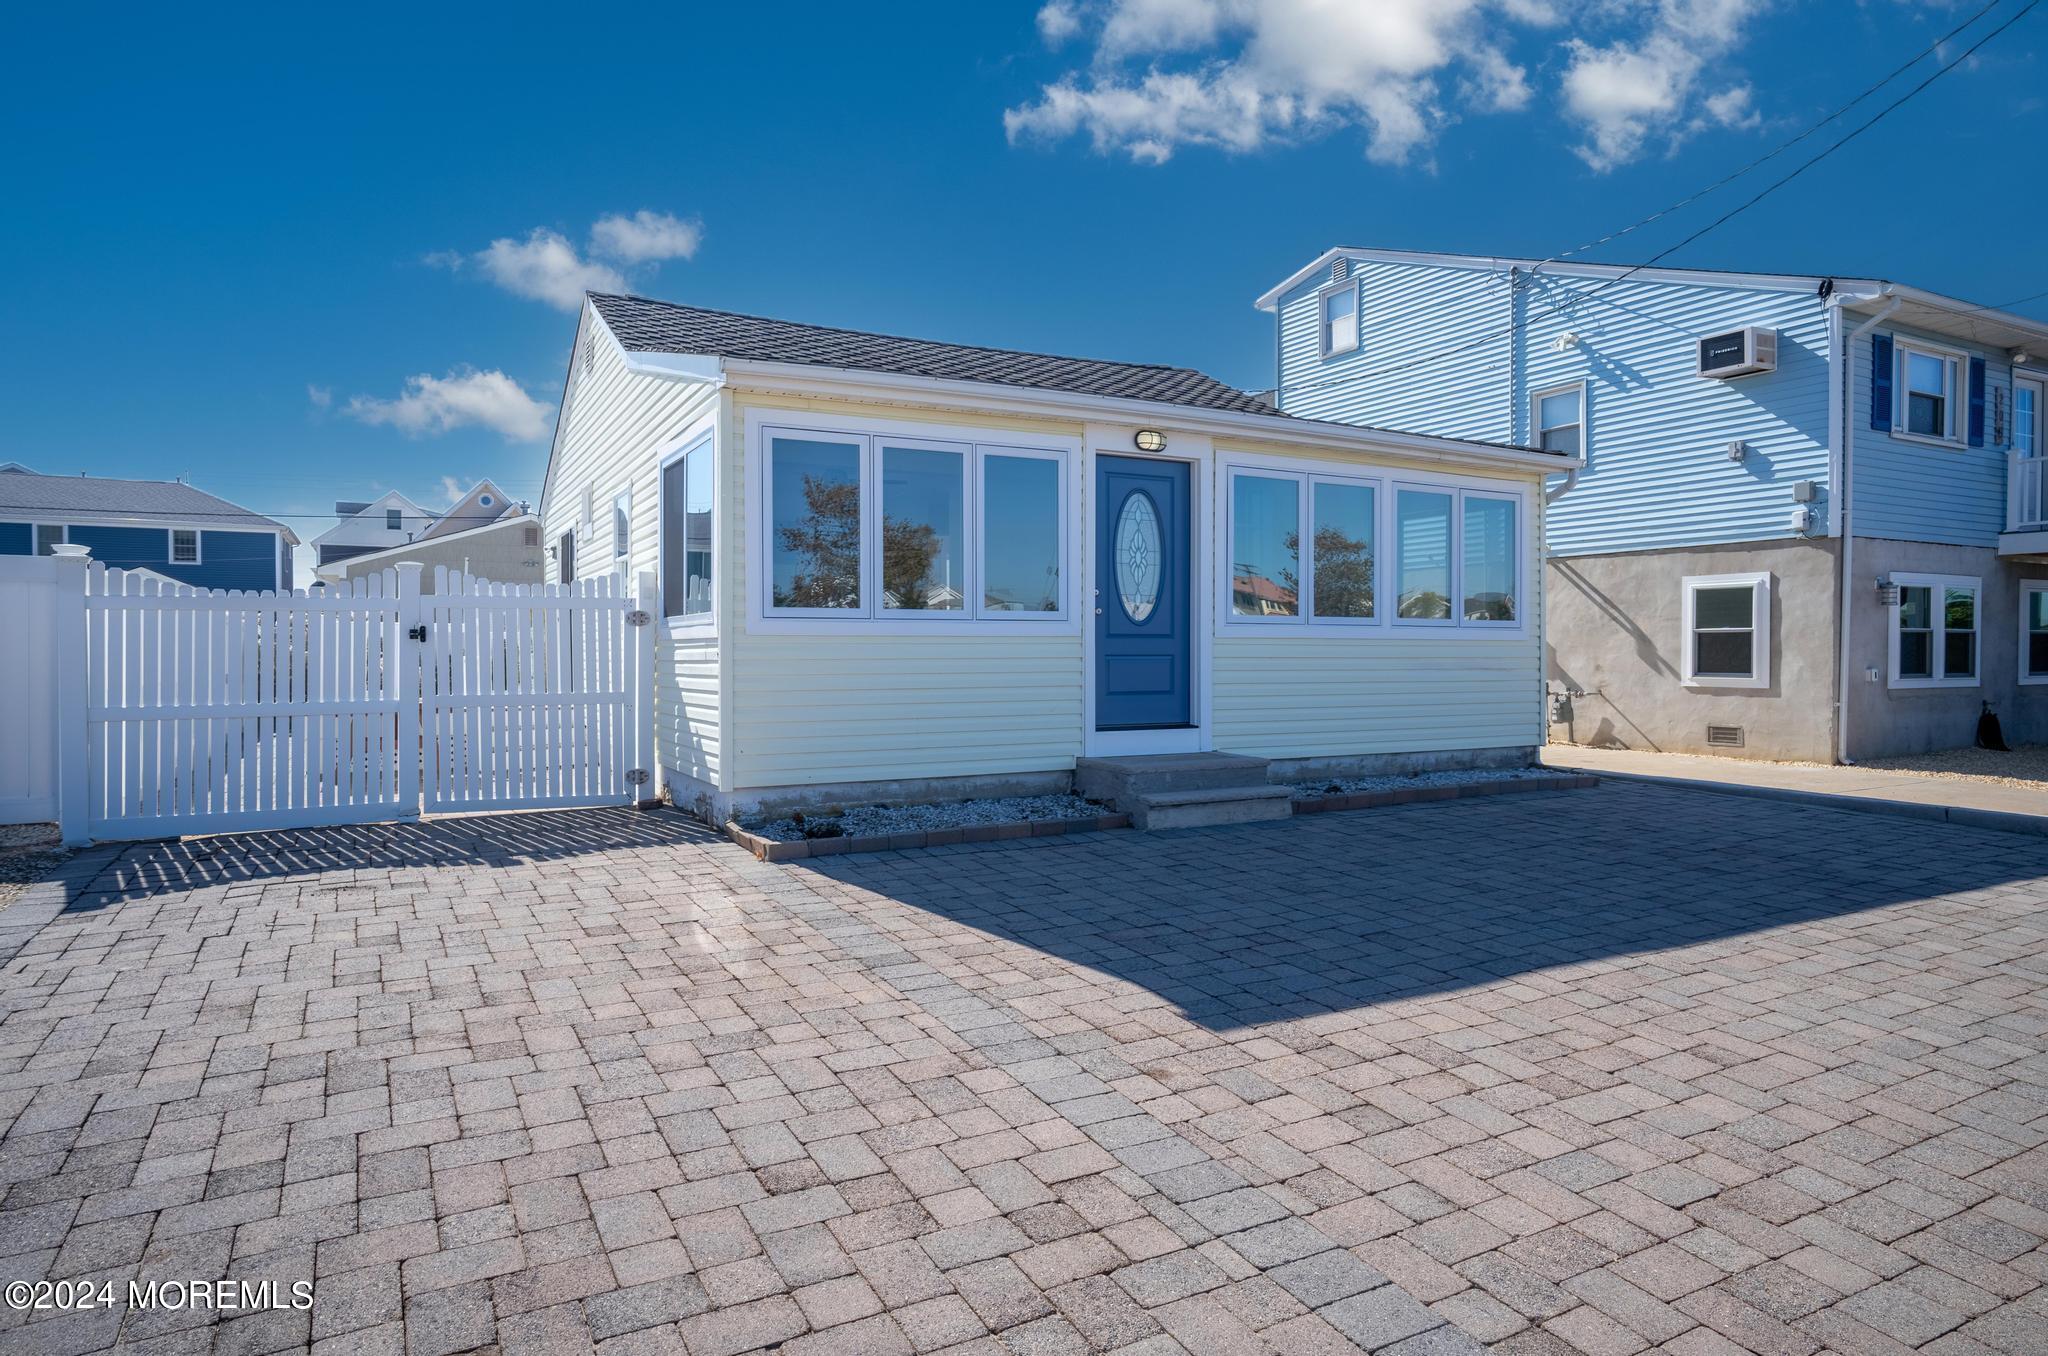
1976 402
1881 382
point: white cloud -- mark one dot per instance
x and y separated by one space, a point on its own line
321 396
546 267
465 397
452 490
1633 91
1241 75
645 236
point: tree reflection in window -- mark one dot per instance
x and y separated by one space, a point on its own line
814 497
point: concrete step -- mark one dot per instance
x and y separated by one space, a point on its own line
1117 780
1208 806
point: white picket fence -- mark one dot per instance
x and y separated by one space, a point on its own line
200 711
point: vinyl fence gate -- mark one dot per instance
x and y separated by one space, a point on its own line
209 711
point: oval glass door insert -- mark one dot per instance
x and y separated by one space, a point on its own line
1137 556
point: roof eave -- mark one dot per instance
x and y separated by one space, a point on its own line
1781 281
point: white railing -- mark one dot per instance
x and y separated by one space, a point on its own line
2026 494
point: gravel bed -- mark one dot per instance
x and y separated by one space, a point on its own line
861 820
27 853
1347 786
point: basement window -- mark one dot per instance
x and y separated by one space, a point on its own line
1934 631
1727 619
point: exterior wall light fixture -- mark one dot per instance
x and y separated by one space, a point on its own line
1150 440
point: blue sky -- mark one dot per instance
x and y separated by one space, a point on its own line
294 256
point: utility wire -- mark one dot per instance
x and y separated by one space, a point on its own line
1719 221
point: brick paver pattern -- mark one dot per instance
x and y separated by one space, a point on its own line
1628 1069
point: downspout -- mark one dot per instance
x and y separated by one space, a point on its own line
1841 430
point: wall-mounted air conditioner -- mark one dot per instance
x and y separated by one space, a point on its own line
1739 353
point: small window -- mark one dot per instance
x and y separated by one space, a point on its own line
1265 549
1020 533
1928 382
1422 536
484 500
622 525
394 519
184 546
48 537
1727 619
686 508
532 537
2034 631
1560 420
1340 319
1345 517
924 527
814 524
1488 557
1934 631
565 558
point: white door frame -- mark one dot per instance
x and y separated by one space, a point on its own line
1198 452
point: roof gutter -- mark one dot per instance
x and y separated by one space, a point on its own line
806 378
1840 469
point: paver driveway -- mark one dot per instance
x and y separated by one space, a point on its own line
1598 1072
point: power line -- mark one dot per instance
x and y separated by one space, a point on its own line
1715 224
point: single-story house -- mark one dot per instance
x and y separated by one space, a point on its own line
166 526
897 569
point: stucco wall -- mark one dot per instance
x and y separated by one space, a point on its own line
1616 631
1886 720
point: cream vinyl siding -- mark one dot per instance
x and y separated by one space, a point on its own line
1286 691
815 708
616 425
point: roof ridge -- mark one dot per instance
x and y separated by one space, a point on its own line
904 338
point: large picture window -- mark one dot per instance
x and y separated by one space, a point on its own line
1934 631
880 525
687 506
1727 620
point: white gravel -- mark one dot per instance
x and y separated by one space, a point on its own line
861 820
27 853
1346 786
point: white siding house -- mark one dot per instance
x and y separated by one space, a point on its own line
898 569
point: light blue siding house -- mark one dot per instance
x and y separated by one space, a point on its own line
166 526
1812 521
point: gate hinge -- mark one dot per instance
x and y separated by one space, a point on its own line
418 632
637 777
638 617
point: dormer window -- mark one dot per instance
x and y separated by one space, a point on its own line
1340 319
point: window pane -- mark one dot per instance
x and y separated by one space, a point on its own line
814 522
1916 607
1916 651
1925 372
1565 440
1716 608
1265 571
1925 416
2037 609
47 536
1020 523
686 535
184 545
2026 419
1959 654
1562 408
1959 610
924 516
1724 654
1343 550
1422 532
1340 319
1489 560
2037 654
622 526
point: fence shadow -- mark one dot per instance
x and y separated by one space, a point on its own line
1242 926
485 840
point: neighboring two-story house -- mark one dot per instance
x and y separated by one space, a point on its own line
1812 522
377 524
164 526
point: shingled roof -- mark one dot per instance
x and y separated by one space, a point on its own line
170 502
646 326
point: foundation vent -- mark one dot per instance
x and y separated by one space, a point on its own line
1724 736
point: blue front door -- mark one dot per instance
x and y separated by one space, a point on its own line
1143 620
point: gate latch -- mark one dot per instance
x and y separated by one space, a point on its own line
418 632
637 777
638 617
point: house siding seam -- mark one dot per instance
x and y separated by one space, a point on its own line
1658 473
618 421
1915 491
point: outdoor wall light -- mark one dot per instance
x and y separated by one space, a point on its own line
1887 593
1150 440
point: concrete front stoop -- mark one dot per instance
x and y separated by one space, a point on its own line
1184 790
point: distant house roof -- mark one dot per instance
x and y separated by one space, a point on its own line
645 326
168 502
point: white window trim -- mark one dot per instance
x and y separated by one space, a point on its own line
1938 648
702 439
2039 386
764 426
1956 409
970 533
1759 584
623 500
1323 318
1386 563
171 546
1585 426
2028 588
